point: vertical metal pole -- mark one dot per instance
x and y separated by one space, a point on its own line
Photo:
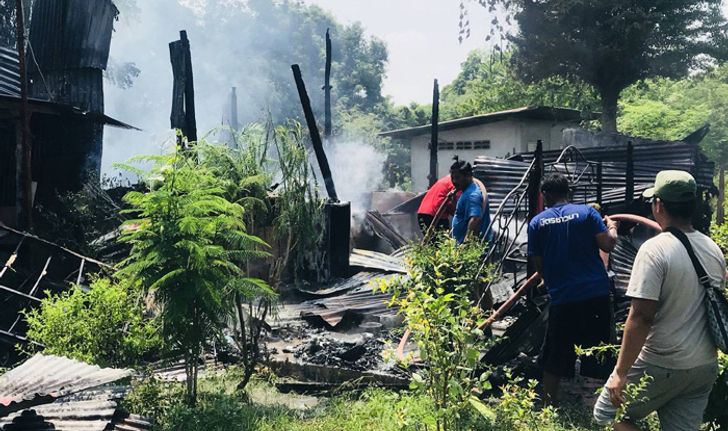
327 89
534 183
24 184
600 183
534 191
434 133
629 178
720 214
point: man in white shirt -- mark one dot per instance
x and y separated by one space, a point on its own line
666 335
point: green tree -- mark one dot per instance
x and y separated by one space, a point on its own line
662 108
613 44
104 325
187 242
487 83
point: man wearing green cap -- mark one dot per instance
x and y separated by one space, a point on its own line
666 335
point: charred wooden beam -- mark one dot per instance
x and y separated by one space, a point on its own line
183 93
434 133
327 89
23 154
313 130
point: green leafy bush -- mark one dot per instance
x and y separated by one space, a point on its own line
436 300
104 325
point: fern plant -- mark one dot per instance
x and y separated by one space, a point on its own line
187 243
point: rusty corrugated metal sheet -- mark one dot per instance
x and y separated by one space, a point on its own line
42 379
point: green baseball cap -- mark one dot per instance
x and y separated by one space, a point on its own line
673 186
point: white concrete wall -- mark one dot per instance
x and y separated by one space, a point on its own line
506 138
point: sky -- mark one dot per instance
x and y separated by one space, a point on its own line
422 37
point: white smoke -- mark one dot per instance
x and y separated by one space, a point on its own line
357 171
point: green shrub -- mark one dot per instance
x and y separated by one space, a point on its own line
104 325
437 302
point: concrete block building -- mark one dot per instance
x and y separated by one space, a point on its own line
497 134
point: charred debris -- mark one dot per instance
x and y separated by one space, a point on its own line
327 332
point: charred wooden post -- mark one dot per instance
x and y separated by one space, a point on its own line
183 93
327 89
338 214
234 120
23 152
313 130
629 177
434 132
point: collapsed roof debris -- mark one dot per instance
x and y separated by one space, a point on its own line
375 260
43 379
32 266
91 410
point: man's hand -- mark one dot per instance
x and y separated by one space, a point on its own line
611 224
615 386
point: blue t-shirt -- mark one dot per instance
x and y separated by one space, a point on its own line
470 205
565 238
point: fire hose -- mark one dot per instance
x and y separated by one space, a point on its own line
531 282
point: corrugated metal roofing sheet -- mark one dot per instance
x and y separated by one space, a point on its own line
9 72
91 410
72 34
360 299
42 379
374 260
525 112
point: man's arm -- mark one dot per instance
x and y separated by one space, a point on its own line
606 241
474 226
640 319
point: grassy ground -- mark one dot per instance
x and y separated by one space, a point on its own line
261 408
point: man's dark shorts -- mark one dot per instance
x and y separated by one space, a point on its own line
584 323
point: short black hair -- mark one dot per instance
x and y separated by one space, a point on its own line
556 185
680 210
461 166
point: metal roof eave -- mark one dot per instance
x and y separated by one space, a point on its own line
525 112
13 103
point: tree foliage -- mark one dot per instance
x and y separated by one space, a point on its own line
611 45
188 244
487 83
105 325
662 108
252 44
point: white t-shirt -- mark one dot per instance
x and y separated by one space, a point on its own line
679 338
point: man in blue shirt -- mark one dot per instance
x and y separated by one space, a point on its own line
563 245
472 214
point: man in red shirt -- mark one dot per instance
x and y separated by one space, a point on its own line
443 191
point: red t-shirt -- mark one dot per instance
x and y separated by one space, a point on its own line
435 197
